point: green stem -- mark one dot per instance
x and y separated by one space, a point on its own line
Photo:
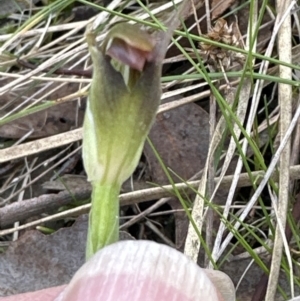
104 217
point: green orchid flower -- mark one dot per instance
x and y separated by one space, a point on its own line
123 101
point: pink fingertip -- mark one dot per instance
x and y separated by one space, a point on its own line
140 271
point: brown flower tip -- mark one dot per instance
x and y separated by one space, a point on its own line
129 45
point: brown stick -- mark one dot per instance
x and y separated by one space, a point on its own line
20 211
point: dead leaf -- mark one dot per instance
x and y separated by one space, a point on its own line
38 261
58 119
181 138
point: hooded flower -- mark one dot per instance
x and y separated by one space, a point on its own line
123 100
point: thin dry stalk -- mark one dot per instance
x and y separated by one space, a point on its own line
285 101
